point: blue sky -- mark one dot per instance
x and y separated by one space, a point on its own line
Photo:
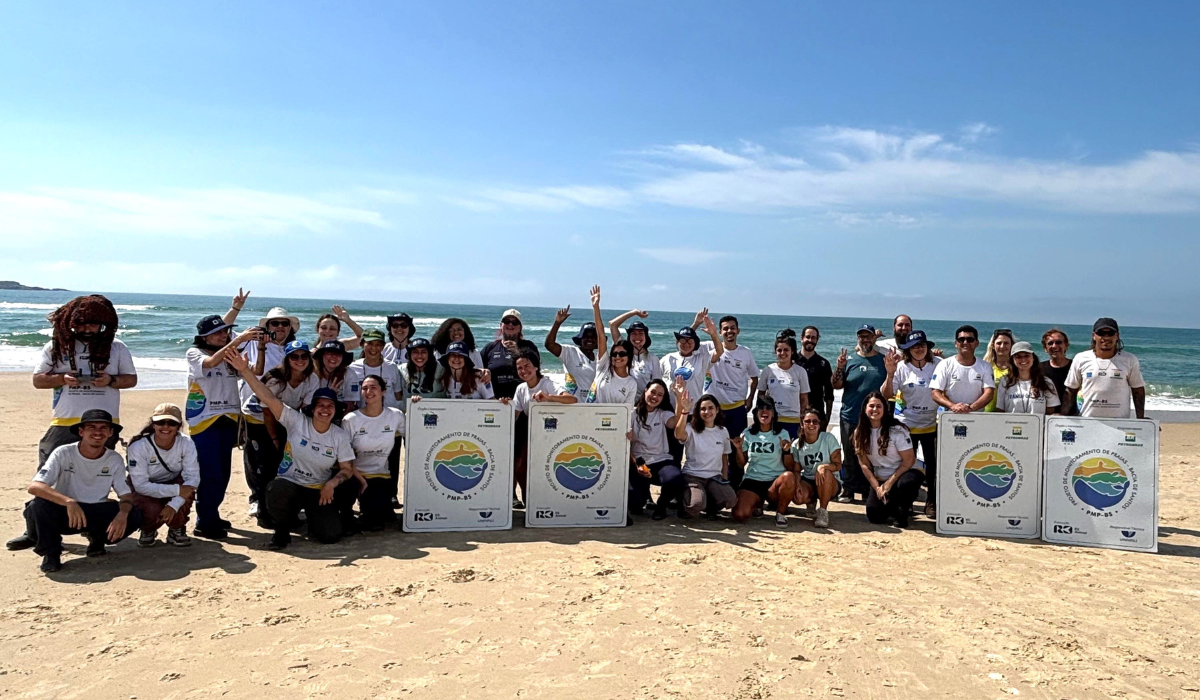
950 160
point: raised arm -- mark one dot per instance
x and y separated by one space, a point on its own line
265 397
552 337
700 316
839 372
891 361
235 308
682 406
601 340
231 349
614 326
718 347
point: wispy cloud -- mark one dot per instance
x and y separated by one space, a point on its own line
683 256
558 198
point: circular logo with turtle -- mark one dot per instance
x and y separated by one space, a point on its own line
989 474
1100 482
578 466
459 465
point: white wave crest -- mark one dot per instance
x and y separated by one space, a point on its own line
15 306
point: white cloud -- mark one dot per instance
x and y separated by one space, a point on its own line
971 133
859 219
559 198
682 256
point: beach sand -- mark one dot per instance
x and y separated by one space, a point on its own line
696 610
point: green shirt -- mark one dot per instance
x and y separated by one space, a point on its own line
863 375
764 457
809 457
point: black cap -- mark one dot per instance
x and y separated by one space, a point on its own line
333 346
211 324
639 326
96 415
915 338
583 330
687 332
1102 323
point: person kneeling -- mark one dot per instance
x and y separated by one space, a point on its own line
885 452
70 494
164 472
770 469
316 474
706 451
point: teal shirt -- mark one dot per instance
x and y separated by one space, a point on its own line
809 457
764 457
863 375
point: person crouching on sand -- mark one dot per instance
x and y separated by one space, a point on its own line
770 470
375 435
889 462
819 458
164 473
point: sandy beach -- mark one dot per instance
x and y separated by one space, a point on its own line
670 609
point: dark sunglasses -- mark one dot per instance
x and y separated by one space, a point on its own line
1106 333
397 324
1001 331
1055 342
966 339
811 421
511 322
279 324
300 356
620 354
161 423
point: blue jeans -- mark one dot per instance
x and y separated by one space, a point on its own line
214 451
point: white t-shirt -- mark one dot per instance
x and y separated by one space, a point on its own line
650 439
523 397
702 451
785 386
251 408
347 391
86 480
645 368
311 458
913 389
373 439
295 396
693 368
887 463
482 391
153 477
390 374
730 375
69 403
1105 386
476 358
607 387
886 345
396 356
212 393
1018 397
581 371
962 384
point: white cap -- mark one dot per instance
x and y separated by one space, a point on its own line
511 312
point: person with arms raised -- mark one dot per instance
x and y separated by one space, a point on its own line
1056 344
765 447
164 473
857 376
500 355
579 358
613 382
733 376
706 449
690 364
963 384
888 461
316 474
329 327
820 374
645 363
375 431
260 454
1106 377
70 493
1026 389
909 383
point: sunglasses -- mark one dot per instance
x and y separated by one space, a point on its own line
398 324
162 423
1055 342
511 322
278 324
302 356
620 354
1001 331
1106 333
966 339
812 421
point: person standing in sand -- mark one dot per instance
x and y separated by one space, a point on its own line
85 367
734 376
963 384
856 376
820 374
1106 377
786 383
1026 389
908 382
998 355
70 493
613 384
690 362
164 473
260 455
1056 344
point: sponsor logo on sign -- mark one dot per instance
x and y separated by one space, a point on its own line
1014 522
1129 534
430 420
601 513
489 418
423 517
541 514
1130 437
1068 437
1063 529
1016 430
960 431
954 520
1100 482
485 514
550 423
606 422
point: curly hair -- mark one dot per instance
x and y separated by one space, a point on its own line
92 308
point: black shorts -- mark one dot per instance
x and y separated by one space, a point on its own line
758 488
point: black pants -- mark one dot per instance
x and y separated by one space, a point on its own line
900 498
47 521
853 480
928 443
326 523
260 458
375 504
666 475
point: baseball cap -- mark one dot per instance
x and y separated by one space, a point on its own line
1106 322
866 327
1020 347
512 312
167 411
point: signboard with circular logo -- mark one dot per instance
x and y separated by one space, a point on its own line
989 474
578 466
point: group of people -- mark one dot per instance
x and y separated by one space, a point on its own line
321 431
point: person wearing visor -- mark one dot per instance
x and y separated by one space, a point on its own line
1025 389
329 327
213 410
963 384
578 359
645 363
331 363
164 473
260 455
909 378
500 355
1106 378
734 377
70 493
689 365
400 331
857 376
460 379
316 474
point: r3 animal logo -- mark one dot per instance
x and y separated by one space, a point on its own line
955 520
1064 530
543 514
423 517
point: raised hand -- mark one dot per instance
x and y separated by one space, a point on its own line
700 316
341 313
843 357
237 360
239 299
562 314
709 327
891 360
640 314
595 296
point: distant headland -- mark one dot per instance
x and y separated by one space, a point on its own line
9 285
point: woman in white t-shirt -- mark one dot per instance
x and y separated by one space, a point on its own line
885 453
329 327
370 362
690 365
1027 389
910 381
456 330
613 382
534 388
375 431
706 449
653 417
331 363
578 358
460 379
786 383
644 365
164 473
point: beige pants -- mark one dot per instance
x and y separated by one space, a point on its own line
698 493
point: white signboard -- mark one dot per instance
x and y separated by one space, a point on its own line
578 465
1101 483
989 474
458 471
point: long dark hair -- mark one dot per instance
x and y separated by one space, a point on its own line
283 373
787 336
627 346
1037 378
92 308
768 403
147 431
862 433
698 422
441 337
643 411
429 371
467 383
319 368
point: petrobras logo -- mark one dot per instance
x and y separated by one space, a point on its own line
606 422
1016 430
1130 437
489 418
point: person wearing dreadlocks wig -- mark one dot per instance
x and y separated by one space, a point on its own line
86 368
400 330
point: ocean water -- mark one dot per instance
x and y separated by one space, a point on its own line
159 327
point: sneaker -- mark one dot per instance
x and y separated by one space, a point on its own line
212 533
758 512
517 504
780 520
931 510
147 539
178 537
96 548
23 541
810 509
253 509
845 498
822 518
51 563
279 540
